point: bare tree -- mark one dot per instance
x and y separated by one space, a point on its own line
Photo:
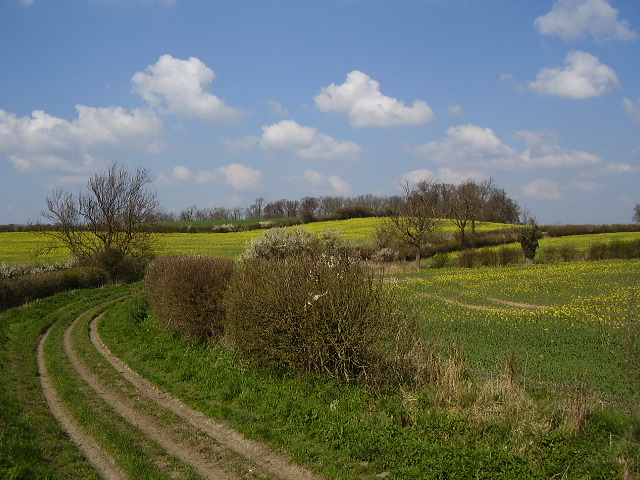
414 217
105 225
466 203
636 213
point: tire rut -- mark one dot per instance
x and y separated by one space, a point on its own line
210 447
101 461
258 453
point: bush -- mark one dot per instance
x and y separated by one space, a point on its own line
185 294
440 260
614 249
320 314
26 288
466 258
508 255
487 257
280 243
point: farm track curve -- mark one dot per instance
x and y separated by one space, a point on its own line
206 446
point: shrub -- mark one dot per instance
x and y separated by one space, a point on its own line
597 251
488 257
508 255
440 260
185 294
26 288
226 228
280 243
320 314
466 258
529 241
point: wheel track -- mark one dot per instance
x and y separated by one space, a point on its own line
211 448
257 452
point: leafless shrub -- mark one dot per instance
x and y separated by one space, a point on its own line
321 314
185 293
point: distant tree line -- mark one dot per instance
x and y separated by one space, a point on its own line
471 200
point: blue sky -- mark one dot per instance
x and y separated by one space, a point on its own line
228 101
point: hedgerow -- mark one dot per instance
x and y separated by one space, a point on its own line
322 314
185 293
26 288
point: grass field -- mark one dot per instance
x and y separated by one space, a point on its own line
566 323
572 331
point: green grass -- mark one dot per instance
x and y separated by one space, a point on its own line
590 310
352 432
32 444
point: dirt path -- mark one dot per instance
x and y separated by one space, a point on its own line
506 303
102 462
212 449
258 453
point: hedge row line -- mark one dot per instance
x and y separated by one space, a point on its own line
26 288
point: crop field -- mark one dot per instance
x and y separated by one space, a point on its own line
571 328
569 323
27 247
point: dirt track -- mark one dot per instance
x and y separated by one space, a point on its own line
211 448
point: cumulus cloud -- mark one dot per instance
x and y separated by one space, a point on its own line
239 177
472 146
541 153
572 19
320 183
360 100
307 143
583 77
53 143
242 177
468 145
444 175
181 87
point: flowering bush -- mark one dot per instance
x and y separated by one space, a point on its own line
320 314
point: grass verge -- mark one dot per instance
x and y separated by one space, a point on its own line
494 429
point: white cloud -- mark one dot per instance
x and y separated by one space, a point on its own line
182 87
444 175
241 177
415 176
632 108
541 153
320 183
611 169
276 108
468 145
472 146
583 77
52 143
361 101
543 189
307 143
572 19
